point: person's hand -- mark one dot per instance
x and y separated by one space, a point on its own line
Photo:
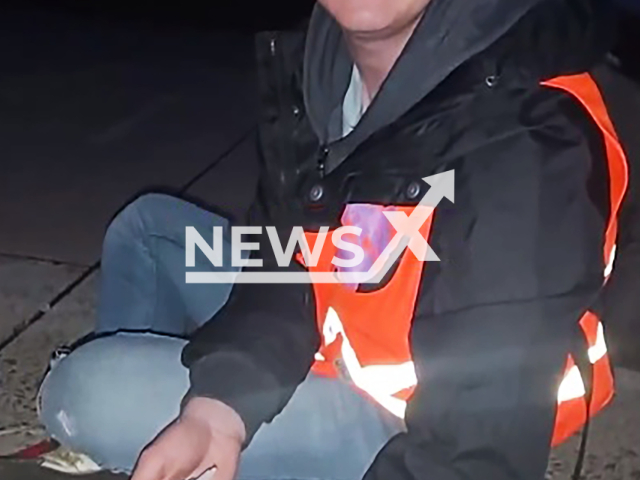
207 436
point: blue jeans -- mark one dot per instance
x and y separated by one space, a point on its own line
112 396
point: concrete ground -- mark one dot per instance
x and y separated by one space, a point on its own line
93 114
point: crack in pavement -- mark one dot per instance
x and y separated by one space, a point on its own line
23 326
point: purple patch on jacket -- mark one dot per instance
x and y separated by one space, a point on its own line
376 234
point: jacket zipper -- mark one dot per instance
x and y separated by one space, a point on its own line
273 45
322 160
324 150
284 102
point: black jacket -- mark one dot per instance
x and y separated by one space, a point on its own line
521 250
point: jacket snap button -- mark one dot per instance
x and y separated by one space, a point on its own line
316 193
491 81
296 111
413 190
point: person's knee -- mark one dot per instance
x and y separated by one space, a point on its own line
70 396
112 395
135 220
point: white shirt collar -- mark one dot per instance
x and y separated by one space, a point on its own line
353 103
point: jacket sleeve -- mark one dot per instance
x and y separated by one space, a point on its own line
521 260
255 352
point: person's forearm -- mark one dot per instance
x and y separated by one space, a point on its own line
256 351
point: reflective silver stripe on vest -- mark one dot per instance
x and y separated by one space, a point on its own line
382 382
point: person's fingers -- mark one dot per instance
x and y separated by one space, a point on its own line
207 474
225 471
150 466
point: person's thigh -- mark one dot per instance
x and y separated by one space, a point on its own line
327 431
112 396
143 284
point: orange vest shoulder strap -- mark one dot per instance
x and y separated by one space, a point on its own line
584 88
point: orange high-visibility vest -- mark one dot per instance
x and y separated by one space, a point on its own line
365 336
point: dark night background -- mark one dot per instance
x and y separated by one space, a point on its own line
265 15
246 15
257 15
230 14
